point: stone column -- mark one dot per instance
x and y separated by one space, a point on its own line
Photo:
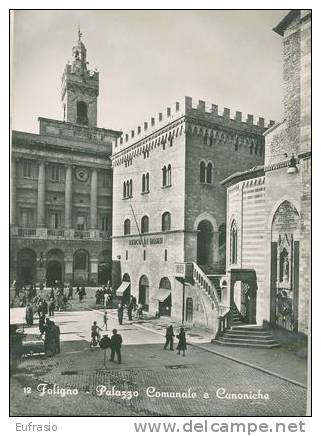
68 197
93 199
41 207
13 173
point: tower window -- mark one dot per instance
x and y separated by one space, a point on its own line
165 255
233 243
209 173
202 172
82 116
127 227
166 221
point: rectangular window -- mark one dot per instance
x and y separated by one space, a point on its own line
55 220
81 222
26 218
104 223
54 173
27 169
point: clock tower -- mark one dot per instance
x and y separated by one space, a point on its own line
80 88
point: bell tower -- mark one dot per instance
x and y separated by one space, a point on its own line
80 88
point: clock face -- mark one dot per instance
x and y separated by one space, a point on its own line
81 174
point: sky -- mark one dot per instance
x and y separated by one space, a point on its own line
147 60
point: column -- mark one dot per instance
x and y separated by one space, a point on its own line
13 204
41 207
93 199
68 197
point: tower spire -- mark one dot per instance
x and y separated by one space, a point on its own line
79 34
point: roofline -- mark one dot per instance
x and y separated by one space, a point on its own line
244 175
283 24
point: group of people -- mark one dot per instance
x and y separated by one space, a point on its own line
169 335
132 308
104 296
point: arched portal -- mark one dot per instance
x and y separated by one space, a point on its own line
285 255
55 267
205 243
26 266
165 297
104 267
143 293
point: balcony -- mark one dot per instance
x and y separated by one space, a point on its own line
61 234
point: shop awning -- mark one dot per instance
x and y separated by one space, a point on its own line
162 294
122 288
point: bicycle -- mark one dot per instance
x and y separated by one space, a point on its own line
94 343
65 307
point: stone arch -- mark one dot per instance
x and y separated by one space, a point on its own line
104 267
143 292
55 267
81 273
205 216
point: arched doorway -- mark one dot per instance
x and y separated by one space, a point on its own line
143 293
104 267
205 243
55 267
81 267
244 294
189 310
54 272
26 266
285 255
126 294
165 300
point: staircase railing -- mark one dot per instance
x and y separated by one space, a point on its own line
224 320
205 284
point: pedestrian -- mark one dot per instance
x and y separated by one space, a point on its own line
70 293
105 320
50 337
105 299
120 313
52 307
52 293
169 335
41 324
57 338
181 341
44 307
29 314
140 311
115 345
130 311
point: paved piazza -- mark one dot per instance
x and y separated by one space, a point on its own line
145 364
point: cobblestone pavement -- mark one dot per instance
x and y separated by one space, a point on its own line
145 365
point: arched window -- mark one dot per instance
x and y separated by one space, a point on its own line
209 173
202 172
147 182
169 175
127 227
143 183
164 170
145 224
127 188
82 117
130 188
233 243
124 190
166 221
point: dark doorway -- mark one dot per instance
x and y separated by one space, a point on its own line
165 306
189 310
54 273
204 243
143 294
26 265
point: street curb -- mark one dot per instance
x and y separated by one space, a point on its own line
225 356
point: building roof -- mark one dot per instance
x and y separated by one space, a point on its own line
243 175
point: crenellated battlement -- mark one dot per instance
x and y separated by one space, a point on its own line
196 110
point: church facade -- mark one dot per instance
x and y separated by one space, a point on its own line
61 189
269 207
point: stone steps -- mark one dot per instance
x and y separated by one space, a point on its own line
247 336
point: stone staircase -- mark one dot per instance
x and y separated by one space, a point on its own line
247 335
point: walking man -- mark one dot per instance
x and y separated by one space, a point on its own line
169 335
115 345
120 313
105 320
57 338
181 342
